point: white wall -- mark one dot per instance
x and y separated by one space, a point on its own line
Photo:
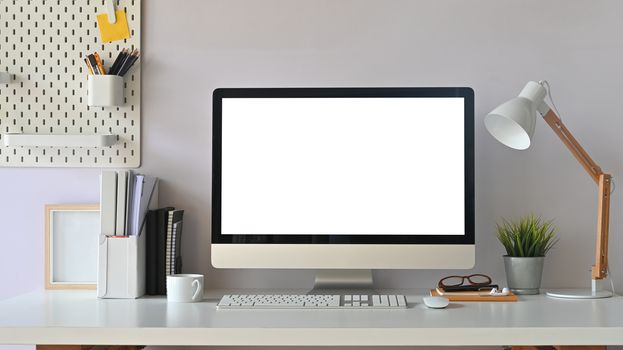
191 47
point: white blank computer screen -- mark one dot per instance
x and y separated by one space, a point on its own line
343 166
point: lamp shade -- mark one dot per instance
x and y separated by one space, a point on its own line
512 123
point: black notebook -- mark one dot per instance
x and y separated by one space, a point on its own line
174 257
155 255
151 284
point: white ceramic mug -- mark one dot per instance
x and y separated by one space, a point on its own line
184 288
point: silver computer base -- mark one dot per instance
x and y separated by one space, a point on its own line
596 292
343 282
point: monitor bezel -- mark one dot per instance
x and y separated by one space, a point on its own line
426 92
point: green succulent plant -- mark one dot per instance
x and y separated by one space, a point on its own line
530 236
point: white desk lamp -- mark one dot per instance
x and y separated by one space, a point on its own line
512 123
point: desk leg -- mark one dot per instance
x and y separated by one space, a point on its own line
88 347
560 347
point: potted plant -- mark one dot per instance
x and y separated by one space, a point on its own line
526 241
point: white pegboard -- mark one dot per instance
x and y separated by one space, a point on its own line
42 45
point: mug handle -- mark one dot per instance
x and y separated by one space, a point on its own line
197 286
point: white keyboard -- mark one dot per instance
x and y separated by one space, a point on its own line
287 301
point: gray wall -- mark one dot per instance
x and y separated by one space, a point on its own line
191 47
492 46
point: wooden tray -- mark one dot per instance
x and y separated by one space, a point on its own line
473 296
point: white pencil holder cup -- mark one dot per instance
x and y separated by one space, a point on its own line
105 90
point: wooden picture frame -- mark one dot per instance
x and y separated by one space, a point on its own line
71 245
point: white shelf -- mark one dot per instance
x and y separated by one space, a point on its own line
35 140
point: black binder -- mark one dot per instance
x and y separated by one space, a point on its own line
156 282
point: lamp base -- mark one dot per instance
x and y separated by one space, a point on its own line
579 294
596 292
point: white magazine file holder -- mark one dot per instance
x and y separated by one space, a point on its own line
121 263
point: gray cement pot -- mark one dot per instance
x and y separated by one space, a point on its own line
523 275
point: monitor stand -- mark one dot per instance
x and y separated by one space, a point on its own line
343 282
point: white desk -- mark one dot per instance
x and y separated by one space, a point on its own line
78 317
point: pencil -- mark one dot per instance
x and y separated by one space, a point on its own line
99 63
130 62
118 60
123 63
93 64
86 60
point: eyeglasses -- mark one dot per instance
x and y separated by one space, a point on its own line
475 280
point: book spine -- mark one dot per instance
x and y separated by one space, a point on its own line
151 253
173 247
129 198
162 217
108 202
169 244
178 225
136 203
122 182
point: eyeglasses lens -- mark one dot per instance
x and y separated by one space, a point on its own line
478 279
453 281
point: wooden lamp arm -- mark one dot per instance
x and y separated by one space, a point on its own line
604 181
600 269
572 144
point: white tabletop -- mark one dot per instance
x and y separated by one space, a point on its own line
78 317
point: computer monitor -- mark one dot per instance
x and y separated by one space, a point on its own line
343 178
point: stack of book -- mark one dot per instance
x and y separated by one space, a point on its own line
125 198
163 255
124 211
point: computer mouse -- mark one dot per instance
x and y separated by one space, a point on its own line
436 302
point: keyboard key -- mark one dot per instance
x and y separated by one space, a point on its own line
334 301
